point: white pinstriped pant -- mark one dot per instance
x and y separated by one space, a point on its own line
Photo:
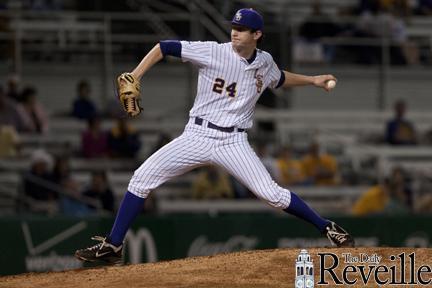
200 145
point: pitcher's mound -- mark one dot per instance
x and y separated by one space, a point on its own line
265 268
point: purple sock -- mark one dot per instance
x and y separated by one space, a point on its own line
300 209
130 207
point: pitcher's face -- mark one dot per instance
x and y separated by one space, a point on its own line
242 37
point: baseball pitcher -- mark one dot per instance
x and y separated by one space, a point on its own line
231 78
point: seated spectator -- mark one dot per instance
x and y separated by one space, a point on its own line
12 89
70 199
400 131
35 181
386 21
9 141
100 191
319 168
318 25
83 106
40 193
33 115
390 197
290 171
61 170
8 113
71 203
123 141
212 183
94 141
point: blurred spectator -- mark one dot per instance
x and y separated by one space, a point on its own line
400 131
318 25
12 91
71 203
424 7
9 141
61 170
290 170
70 200
123 140
212 183
37 185
100 191
41 163
62 176
32 114
8 113
391 197
83 106
320 168
379 21
94 141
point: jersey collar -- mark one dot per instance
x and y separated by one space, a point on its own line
256 63
252 59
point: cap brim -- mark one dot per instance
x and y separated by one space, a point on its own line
233 23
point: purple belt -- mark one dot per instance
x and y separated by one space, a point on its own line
199 121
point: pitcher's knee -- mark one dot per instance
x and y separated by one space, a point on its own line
144 180
279 198
139 191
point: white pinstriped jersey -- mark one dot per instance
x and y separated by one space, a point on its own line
228 86
228 89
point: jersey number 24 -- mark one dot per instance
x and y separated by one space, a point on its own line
219 84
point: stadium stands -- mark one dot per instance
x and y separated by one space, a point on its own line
52 51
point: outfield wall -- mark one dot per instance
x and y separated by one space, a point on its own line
48 243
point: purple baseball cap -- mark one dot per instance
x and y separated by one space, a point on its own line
249 18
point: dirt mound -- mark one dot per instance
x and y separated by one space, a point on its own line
265 268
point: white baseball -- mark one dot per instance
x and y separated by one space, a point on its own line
331 84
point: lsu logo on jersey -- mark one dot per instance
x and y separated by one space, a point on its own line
259 81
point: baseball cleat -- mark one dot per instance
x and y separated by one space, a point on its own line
338 236
104 252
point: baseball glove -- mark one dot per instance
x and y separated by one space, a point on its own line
129 94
